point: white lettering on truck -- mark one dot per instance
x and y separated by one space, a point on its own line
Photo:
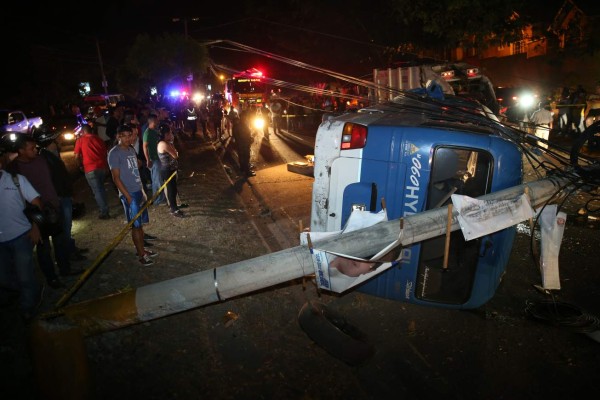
411 193
411 199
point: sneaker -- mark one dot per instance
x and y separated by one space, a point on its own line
183 205
150 253
145 260
149 237
178 214
147 244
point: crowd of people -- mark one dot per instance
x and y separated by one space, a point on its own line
132 151
135 149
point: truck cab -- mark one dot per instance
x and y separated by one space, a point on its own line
415 152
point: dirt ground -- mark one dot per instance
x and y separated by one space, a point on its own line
252 347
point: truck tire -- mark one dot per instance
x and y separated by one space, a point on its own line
334 333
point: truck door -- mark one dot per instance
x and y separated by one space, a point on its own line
454 171
459 163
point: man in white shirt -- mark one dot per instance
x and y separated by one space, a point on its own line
17 239
542 119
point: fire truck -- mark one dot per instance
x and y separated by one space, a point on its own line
247 89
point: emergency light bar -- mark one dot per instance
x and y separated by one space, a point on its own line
353 136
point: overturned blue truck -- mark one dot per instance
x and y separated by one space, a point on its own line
414 153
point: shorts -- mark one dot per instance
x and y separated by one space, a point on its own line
131 210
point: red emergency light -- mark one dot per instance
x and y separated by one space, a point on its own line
251 73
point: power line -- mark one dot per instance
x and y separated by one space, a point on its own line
347 78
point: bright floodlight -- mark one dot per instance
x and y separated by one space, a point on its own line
526 100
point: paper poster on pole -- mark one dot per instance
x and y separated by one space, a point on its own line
339 272
482 217
552 225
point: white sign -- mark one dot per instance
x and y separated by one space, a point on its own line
552 225
481 217
339 272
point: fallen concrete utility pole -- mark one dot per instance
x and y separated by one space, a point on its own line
211 286
58 344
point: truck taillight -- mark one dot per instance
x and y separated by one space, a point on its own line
354 136
448 75
472 72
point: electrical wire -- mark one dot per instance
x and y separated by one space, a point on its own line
565 315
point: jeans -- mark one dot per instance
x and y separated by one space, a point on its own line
17 270
62 245
95 180
157 182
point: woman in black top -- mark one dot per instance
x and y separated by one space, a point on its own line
168 155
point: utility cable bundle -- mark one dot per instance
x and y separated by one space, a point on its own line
563 315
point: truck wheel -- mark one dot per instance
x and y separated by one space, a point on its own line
334 333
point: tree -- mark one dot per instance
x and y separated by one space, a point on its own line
354 36
448 23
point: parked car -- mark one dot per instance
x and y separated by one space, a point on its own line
17 121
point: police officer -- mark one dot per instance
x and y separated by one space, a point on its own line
243 140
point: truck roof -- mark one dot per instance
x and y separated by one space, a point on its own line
450 112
